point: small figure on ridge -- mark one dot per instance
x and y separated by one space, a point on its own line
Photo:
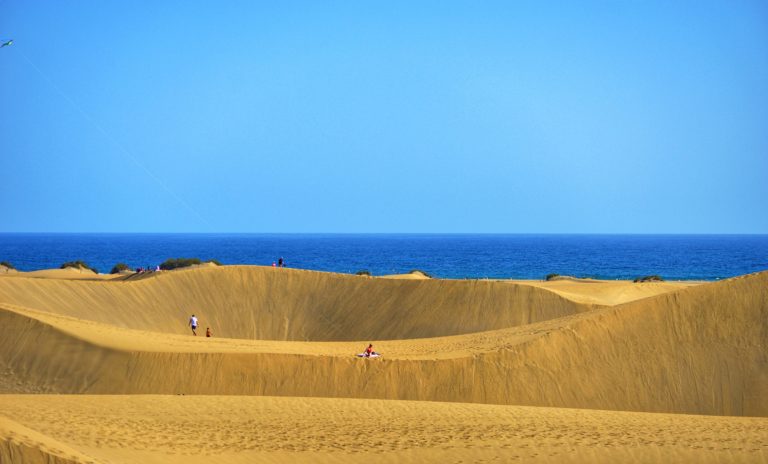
369 353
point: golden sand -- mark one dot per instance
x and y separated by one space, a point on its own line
563 371
140 428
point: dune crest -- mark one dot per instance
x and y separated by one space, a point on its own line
579 371
697 350
287 304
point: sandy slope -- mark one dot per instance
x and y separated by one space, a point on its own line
654 347
607 292
287 304
69 273
698 350
192 429
20 444
413 275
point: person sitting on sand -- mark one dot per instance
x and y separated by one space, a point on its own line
193 324
369 351
208 332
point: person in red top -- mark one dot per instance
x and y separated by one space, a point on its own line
207 331
368 351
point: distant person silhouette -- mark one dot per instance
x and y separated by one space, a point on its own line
208 332
193 324
280 262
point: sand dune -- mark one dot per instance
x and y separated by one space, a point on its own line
286 304
413 275
628 348
221 429
19 444
695 351
607 292
69 273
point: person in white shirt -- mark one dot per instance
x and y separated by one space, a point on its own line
193 324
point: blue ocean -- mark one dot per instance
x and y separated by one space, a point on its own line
678 257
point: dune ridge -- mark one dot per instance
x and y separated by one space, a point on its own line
698 350
287 304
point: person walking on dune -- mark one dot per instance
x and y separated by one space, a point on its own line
193 324
208 332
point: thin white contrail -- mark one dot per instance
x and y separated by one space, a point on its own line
112 139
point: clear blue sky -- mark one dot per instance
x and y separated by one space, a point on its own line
583 117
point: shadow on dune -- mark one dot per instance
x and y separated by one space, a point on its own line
699 350
287 304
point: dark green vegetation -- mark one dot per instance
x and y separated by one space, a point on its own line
119 267
7 264
78 265
649 278
552 276
363 272
175 263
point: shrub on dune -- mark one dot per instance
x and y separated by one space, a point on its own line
78 265
649 278
552 276
363 272
119 267
6 264
176 263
